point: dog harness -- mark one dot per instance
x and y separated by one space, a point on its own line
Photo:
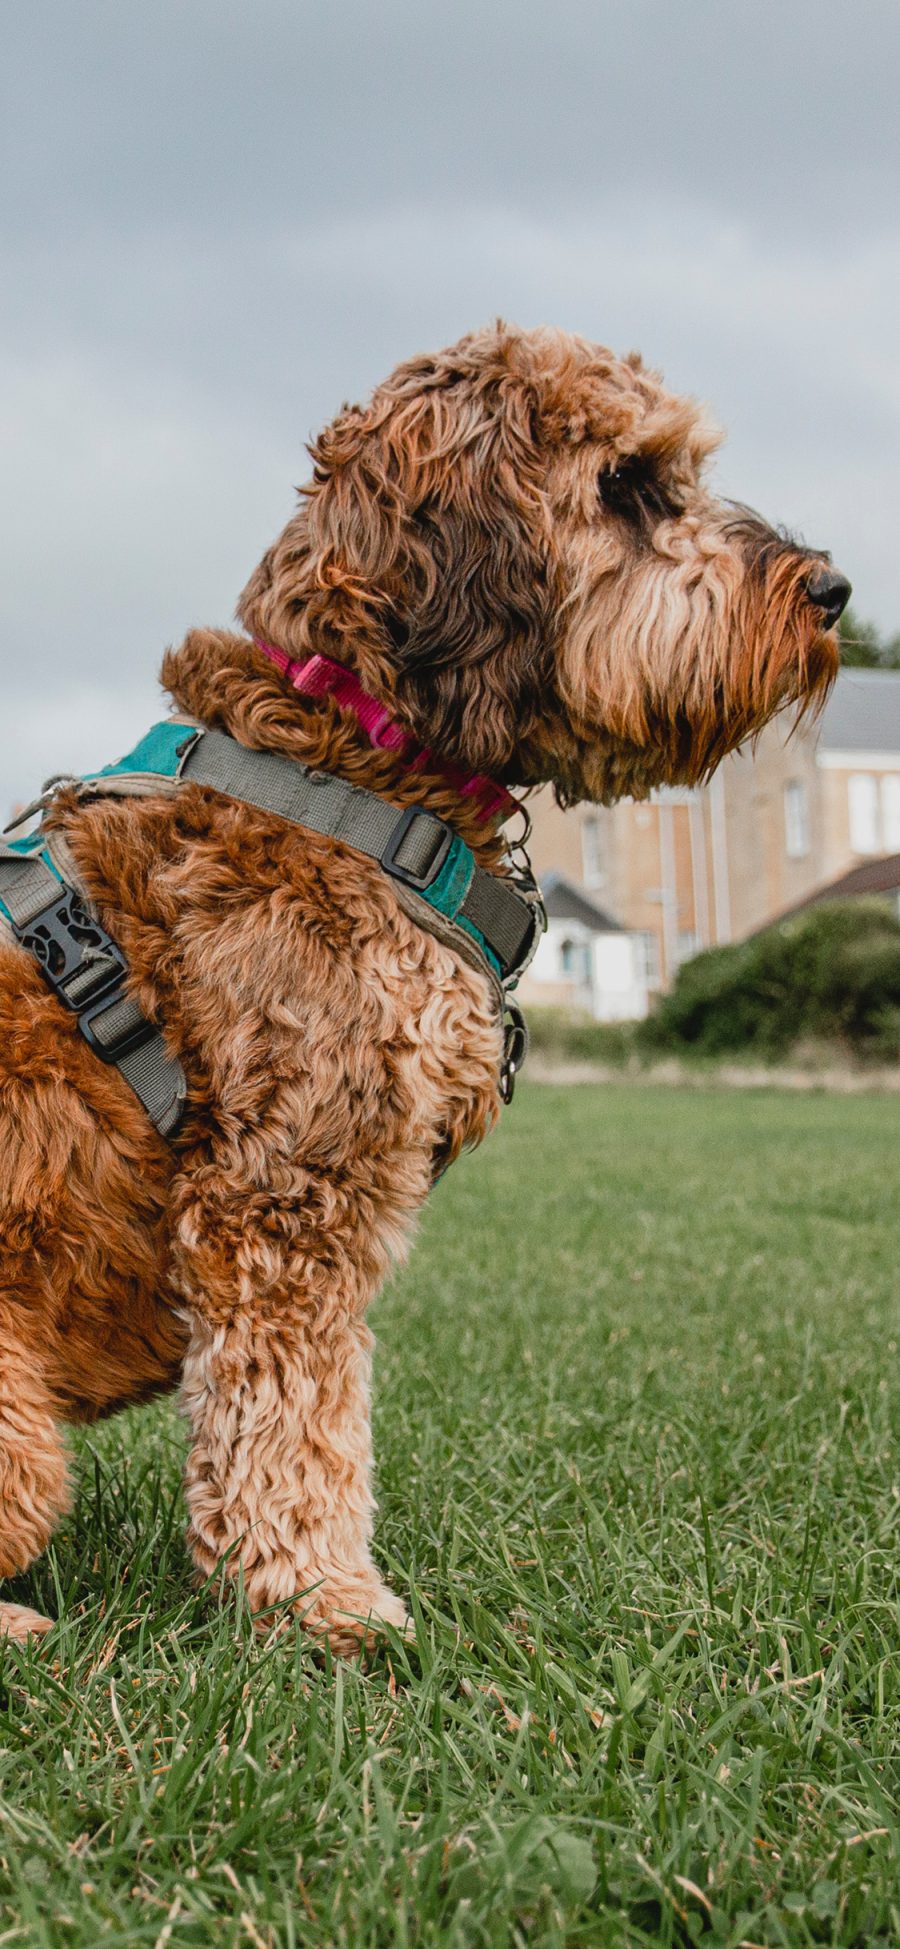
493 923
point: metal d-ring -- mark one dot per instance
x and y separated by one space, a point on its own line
523 837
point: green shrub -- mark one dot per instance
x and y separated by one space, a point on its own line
564 1037
831 972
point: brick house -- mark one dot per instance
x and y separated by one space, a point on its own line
585 960
689 869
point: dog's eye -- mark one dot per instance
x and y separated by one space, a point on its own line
634 492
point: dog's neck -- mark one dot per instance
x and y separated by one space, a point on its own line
320 676
248 689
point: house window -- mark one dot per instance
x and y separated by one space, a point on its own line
796 819
890 811
575 961
646 954
687 945
592 860
862 801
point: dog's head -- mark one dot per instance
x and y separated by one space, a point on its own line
515 546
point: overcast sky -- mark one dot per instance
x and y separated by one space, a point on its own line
220 220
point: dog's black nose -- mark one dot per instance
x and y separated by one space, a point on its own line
830 592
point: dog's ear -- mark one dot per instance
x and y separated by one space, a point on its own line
420 556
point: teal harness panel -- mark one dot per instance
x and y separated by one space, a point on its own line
32 843
159 752
447 893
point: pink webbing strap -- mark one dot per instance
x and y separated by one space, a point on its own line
318 676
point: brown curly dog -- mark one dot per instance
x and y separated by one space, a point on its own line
513 547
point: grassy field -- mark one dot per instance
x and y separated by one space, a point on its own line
637 1399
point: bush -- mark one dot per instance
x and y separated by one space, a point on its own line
565 1037
832 973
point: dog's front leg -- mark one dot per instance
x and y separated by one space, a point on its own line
278 1478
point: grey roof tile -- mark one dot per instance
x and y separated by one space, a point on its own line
863 712
564 901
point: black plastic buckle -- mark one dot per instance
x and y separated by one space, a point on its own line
67 942
65 939
419 881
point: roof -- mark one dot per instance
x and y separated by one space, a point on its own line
863 712
565 901
874 876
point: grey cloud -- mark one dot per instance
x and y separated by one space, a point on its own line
220 112
228 219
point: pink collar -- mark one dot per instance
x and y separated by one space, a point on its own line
317 676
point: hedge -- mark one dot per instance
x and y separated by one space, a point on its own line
829 973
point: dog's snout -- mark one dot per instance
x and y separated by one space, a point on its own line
829 591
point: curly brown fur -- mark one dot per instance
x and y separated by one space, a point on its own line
513 545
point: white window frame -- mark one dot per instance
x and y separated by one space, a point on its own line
862 812
796 819
687 944
578 945
646 956
890 811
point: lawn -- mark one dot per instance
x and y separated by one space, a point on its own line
636 1402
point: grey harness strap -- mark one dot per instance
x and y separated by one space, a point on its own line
413 846
49 917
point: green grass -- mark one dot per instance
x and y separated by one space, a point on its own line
636 1409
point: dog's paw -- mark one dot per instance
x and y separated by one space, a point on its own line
20 1624
354 1620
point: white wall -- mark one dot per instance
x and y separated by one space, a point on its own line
619 994
596 972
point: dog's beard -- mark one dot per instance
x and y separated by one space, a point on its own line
674 659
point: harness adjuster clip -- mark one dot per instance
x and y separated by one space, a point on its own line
132 1035
420 882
